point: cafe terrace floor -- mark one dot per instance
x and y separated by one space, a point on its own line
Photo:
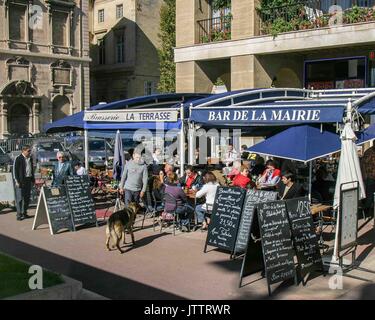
163 266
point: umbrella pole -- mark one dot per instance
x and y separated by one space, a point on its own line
182 141
86 150
310 179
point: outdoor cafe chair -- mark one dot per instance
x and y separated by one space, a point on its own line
170 199
158 207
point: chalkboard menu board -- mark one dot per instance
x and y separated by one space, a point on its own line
278 252
53 208
252 198
304 236
81 202
226 215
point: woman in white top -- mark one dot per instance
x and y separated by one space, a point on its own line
209 191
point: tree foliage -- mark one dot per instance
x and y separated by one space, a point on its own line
167 38
220 4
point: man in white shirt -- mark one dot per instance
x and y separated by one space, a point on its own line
230 156
80 170
23 174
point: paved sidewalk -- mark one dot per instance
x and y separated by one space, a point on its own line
161 266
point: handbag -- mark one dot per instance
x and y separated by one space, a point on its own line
167 216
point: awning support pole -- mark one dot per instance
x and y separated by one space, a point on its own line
182 141
87 150
310 179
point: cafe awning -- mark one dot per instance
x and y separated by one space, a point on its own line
278 107
75 122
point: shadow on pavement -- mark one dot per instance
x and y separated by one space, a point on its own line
104 283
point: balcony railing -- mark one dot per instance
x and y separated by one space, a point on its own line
313 14
215 29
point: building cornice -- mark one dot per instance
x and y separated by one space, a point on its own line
44 55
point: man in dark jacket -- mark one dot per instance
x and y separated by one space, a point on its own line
23 174
191 179
289 188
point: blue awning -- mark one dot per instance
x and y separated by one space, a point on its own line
271 114
75 121
153 126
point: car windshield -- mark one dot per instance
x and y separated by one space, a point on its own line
50 146
97 145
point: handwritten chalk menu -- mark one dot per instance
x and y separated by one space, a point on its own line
304 237
81 202
252 198
53 209
278 252
226 215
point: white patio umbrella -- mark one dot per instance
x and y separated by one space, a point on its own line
349 171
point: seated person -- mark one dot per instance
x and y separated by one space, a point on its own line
209 191
191 179
270 177
158 189
242 180
168 168
259 167
321 185
289 188
183 210
235 170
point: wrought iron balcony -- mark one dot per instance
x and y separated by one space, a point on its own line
313 14
215 29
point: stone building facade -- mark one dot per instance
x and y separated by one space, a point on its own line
44 63
124 41
325 47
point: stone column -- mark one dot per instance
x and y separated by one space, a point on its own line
191 78
245 21
4 118
36 112
50 33
70 34
188 12
247 72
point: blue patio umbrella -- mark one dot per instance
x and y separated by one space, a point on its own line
118 159
302 143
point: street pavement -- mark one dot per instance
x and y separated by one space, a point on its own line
163 266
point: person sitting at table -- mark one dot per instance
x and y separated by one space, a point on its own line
168 168
191 179
183 210
242 180
79 169
209 191
235 170
270 177
259 167
289 188
62 169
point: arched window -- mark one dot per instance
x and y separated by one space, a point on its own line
60 108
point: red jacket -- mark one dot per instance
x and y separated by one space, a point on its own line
241 181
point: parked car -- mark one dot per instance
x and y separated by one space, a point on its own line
100 152
44 152
5 160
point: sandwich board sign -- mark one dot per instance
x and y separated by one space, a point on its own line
53 209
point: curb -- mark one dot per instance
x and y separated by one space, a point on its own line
69 290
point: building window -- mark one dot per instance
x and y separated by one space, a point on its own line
101 15
150 88
120 48
17 22
119 11
336 73
61 73
59 28
101 45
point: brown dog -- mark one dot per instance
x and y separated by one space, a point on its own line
121 221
